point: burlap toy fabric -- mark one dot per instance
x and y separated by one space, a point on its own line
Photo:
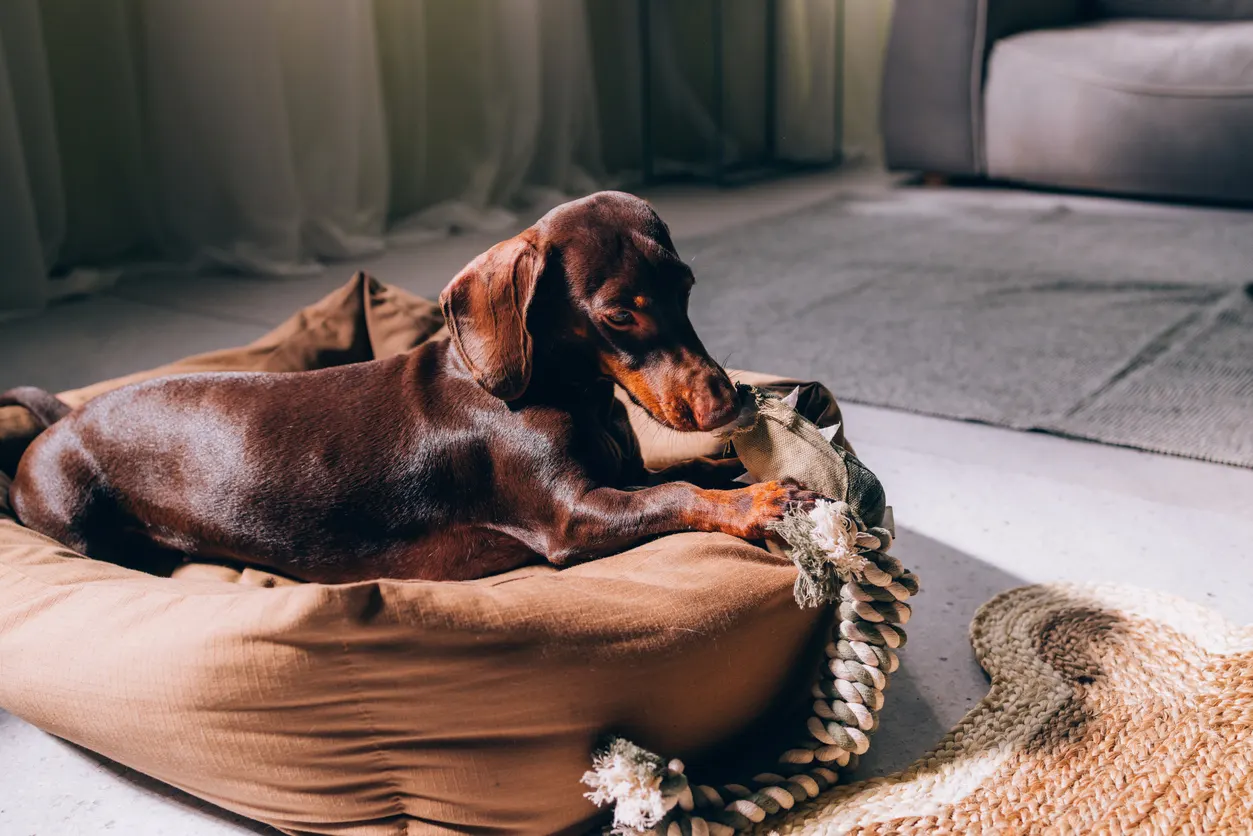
782 443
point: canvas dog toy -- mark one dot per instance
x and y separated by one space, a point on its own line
840 549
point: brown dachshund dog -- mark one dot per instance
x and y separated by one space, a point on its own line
487 451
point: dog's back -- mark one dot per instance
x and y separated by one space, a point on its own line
201 464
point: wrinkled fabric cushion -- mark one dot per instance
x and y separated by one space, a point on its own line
397 707
1148 107
1177 9
1145 57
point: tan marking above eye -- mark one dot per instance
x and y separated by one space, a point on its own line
641 301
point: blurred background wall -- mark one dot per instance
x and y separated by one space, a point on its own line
272 136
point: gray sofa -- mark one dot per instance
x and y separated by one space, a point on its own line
1141 97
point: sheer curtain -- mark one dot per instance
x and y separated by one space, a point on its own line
272 136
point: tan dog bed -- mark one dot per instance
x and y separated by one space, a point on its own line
396 707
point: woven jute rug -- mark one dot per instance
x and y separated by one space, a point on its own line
1111 710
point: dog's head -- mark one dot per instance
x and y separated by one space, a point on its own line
594 288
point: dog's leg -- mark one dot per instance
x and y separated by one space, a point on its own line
606 520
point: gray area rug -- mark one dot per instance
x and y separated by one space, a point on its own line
1113 322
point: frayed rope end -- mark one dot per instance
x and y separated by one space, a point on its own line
823 545
642 787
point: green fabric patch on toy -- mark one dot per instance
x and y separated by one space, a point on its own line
783 444
827 543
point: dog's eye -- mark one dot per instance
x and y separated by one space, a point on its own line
620 318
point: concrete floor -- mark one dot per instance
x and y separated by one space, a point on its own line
978 509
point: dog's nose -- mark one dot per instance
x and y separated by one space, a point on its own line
715 403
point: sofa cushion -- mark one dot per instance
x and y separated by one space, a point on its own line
1150 107
387 707
1177 9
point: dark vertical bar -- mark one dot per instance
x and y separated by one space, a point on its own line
837 140
646 93
719 92
772 80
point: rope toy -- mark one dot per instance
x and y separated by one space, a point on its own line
841 560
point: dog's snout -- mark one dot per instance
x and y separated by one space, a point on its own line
715 402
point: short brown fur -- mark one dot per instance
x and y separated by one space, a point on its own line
502 446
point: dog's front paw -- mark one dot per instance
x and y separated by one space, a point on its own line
763 503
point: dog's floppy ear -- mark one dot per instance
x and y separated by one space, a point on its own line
486 308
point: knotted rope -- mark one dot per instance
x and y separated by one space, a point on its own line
840 561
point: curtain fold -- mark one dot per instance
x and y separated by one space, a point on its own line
335 124
271 136
91 54
866 27
498 111
32 208
809 121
